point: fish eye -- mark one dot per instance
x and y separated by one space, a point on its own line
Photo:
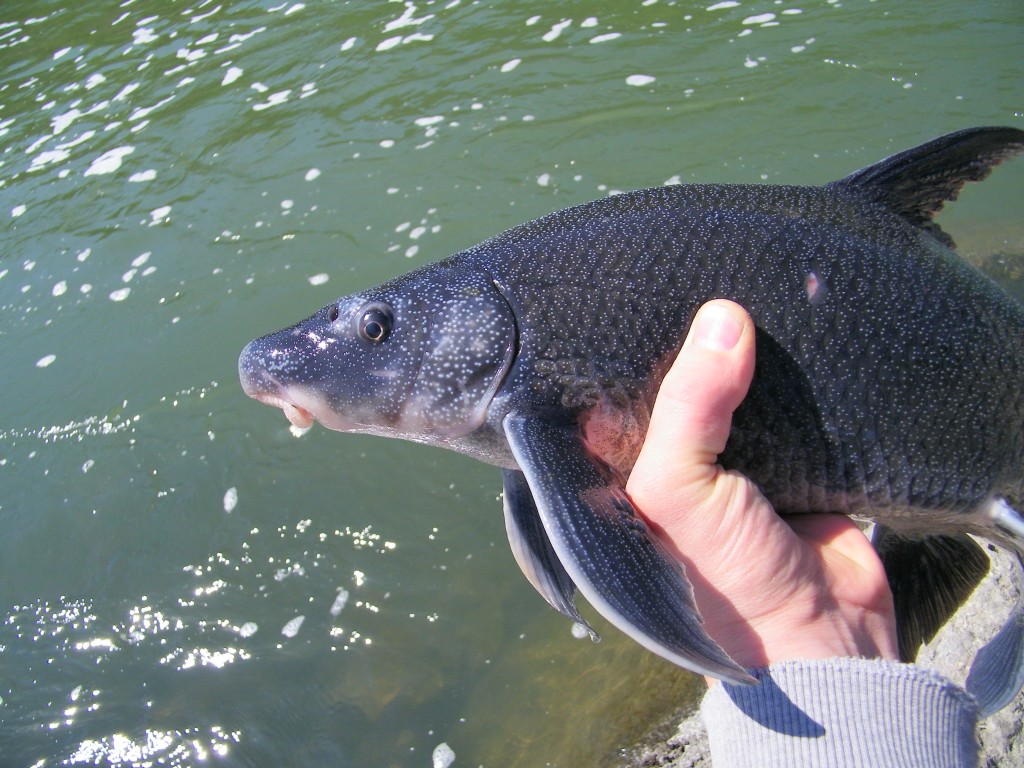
375 324
332 313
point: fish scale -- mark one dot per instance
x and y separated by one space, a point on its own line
887 382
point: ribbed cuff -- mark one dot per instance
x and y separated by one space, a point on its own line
842 713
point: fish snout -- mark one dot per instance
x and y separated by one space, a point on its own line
260 384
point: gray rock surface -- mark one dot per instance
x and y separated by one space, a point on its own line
951 652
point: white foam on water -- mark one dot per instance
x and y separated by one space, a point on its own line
232 75
59 123
48 157
722 5
556 30
143 112
388 44
124 92
147 175
348 44
120 294
273 100
443 756
248 629
81 139
511 64
291 629
761 18
45 361
159 215
230 499
605 37
544 179
60 288
339 601
142 258
143 35
18 210
640 80
590 21
109 161
319 279
312 173
407 19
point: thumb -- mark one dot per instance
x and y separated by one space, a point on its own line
692 415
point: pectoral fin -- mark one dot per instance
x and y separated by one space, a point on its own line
533 552
608 551
997 672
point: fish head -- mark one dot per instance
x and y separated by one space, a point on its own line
419 357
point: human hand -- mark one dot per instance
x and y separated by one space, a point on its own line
769 589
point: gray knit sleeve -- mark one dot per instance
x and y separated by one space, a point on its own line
841 713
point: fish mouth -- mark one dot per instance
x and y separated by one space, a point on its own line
262 385
301 405
296 414
265 388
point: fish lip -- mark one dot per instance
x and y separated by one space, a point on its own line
267 389
296 414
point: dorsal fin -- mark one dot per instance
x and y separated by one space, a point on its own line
916 182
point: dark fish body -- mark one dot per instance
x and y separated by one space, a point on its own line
889 370
888 379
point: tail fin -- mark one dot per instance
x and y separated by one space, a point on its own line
917 182
930 578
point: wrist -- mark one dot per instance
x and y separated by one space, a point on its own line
830 635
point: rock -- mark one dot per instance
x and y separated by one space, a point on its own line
954 647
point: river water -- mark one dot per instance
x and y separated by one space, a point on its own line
186 582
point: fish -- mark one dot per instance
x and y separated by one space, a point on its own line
887 384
